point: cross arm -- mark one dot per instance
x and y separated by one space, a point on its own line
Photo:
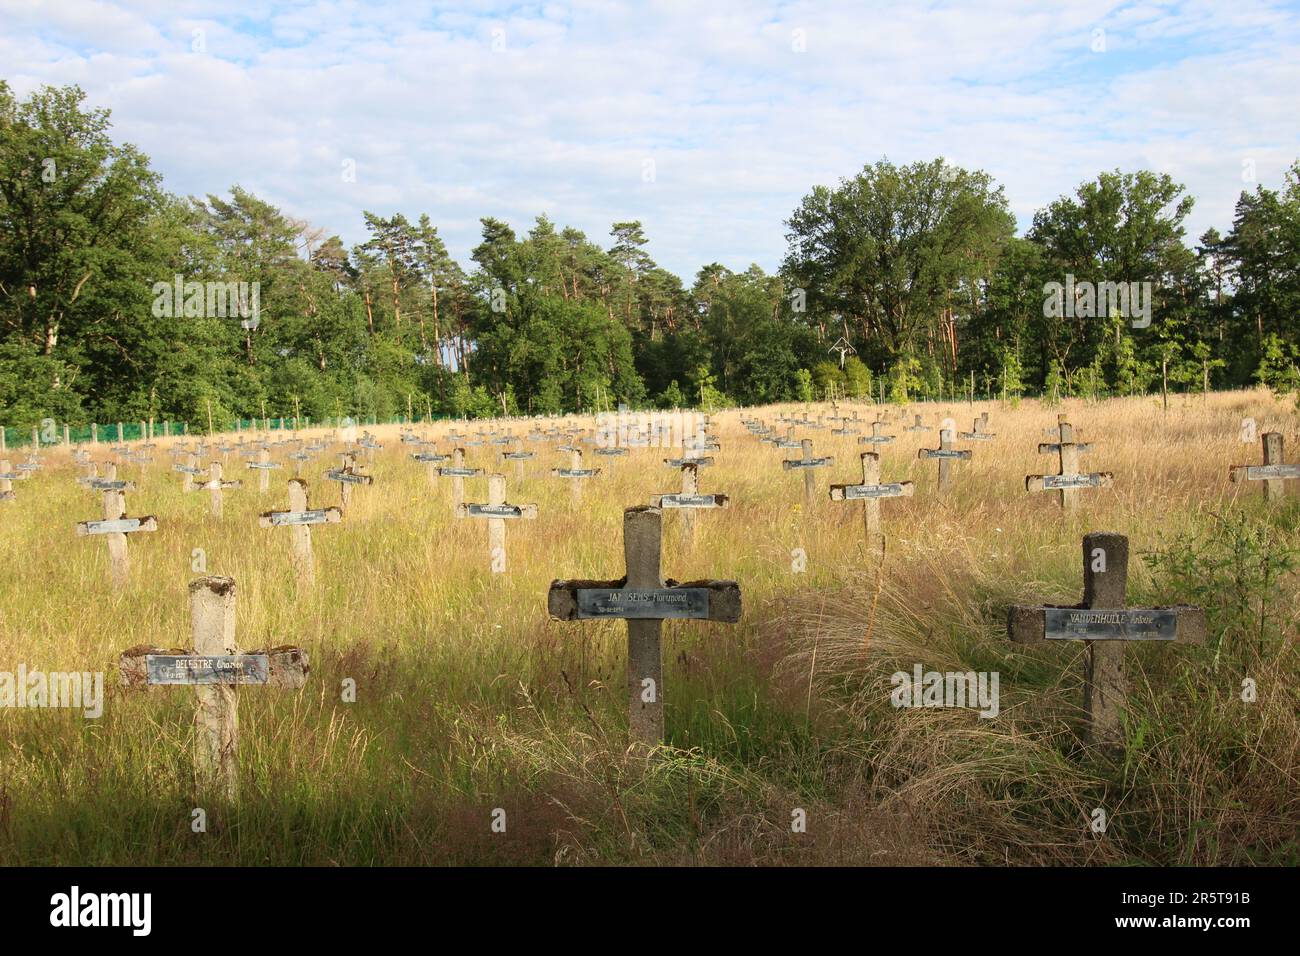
289 665
1096 479
724 597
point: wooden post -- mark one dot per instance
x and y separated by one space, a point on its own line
214 670
1105 583
458 473
946 454
1274 471
263 466
496 511
300 519
347 476
7 478
1068 481
642 599
807 462
190 470
870 492
576 472
115 526
215 485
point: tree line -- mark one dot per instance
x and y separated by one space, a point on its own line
121 301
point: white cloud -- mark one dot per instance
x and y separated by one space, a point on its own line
738 123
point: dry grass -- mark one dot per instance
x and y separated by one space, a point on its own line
470 699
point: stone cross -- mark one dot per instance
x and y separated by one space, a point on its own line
116 526
876 437
576 472
263 466
216 485
977 432
689 499
807 462
644 600
496 511
518 456
7 479
190 470
869 493
946 455
458 473
347 476
300 519
1272 473
1068 480
1104 623
917 426
214 668
430 460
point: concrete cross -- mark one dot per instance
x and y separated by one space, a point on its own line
644 600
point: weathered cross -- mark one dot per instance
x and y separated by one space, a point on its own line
876 437
977 432
458 473
115 526
1068 480
575 471
190 470
869 493
214 669
946 455
300 519
7 479
496 511
216 485
1273 472
430 460
263 466
644 600
347 476
518 456
1105 624
689 499
807 462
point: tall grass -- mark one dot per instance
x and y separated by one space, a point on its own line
470 700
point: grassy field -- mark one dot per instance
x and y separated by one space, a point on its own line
469 698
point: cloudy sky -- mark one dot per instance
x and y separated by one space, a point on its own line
706 121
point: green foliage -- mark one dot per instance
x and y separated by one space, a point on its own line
804 385
857 378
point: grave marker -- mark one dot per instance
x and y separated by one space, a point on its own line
1272 473
1068 480
644 600
876 437
689 499
458 473
347 476
214 669
869 492
115 526
1105 624
190 469
946 455
264 465
807 462
496 511
215 486
300 519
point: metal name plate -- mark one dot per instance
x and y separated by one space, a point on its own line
875 439
975 436
576 472
1257 472
944 453
688 501
643 603
422 456
517 455
262 464
806 463
28 466
1071 481
11 476
458 472
347 477
611 451
316 516
185 470
680 462
176 669
1076 624
495 511
114 526
893 490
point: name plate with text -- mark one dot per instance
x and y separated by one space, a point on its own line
118 526
1257 472
315 516
1071 481
459 472
643 603
680 462
577 472
853 492
428 457
517 455
691 501
348 477
494 511
875 439
174 669
611 451
807 463
950 453
1123 624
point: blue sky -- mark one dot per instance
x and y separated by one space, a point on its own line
708 122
